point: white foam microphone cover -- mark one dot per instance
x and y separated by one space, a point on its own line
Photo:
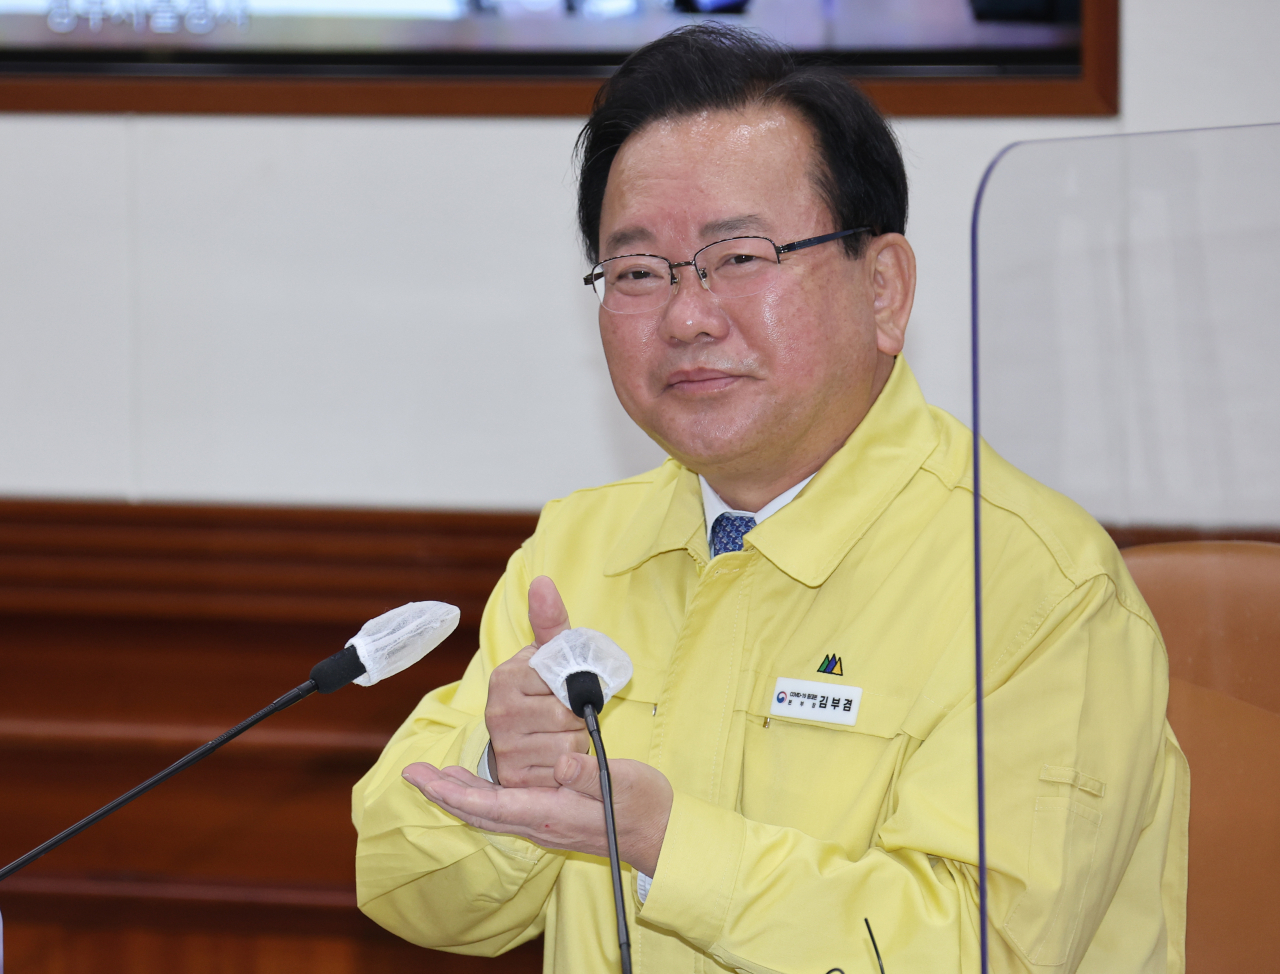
396 640
575 650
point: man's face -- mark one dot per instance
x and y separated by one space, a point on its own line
733 386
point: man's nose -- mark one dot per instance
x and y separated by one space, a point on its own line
694 312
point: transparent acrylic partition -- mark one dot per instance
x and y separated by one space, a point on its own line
1127 355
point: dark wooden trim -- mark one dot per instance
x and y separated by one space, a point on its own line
95 735
1100 53
172 598
138 632
1132 535
78 903
1095 92
278 564
105 927
337 898
247 563
297 96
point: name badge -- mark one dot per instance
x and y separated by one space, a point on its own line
809 700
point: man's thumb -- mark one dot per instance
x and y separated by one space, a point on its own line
547 614
579 772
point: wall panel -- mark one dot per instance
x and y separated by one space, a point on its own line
130 635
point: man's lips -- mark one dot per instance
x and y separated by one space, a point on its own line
701 380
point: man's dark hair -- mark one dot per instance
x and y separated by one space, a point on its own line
712 66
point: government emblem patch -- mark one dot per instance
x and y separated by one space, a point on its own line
832 666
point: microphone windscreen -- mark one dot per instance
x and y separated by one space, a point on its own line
584 691
396 640
576 650
334 673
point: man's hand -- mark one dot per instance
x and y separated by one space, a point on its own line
528 727
567 816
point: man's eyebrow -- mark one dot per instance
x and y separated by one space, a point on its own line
620 239
719 229
627 237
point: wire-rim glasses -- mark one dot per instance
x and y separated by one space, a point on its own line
731 268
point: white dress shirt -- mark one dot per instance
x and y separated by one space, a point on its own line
713 506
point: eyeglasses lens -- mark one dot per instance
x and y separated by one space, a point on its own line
733 268
630 285
737 268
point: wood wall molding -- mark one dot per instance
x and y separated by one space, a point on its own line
1094 92
247 563
1129 536
88 926
81 736
307 897
283 565
137 632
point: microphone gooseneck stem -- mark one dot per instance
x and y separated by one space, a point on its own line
611 833
200 753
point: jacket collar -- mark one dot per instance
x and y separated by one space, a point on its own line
669 518
809 537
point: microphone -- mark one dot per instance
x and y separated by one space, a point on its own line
584 691
383 647
584 668
577 651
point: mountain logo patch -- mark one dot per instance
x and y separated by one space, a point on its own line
832 666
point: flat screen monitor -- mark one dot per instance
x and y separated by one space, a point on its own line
913 38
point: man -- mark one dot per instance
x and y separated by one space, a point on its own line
813 524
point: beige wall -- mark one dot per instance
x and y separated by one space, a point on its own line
386 312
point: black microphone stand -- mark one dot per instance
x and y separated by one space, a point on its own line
586 699
611 834
326 676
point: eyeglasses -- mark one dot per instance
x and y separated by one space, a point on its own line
732 268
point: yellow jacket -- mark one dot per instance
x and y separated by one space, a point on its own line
786 832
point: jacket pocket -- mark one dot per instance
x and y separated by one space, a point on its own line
828 780
1045 921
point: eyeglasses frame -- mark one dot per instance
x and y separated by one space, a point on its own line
590 279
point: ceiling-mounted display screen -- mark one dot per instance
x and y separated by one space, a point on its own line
929 38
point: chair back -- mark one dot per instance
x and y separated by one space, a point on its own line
1218 607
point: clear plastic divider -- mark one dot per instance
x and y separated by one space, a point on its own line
1127 345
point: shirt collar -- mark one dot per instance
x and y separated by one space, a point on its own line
814 529
713 504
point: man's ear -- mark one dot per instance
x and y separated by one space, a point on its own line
892 263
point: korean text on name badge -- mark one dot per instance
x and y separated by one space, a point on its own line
810 700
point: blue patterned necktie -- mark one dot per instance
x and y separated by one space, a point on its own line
727 532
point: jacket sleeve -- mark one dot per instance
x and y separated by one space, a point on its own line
1077 769
423 874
